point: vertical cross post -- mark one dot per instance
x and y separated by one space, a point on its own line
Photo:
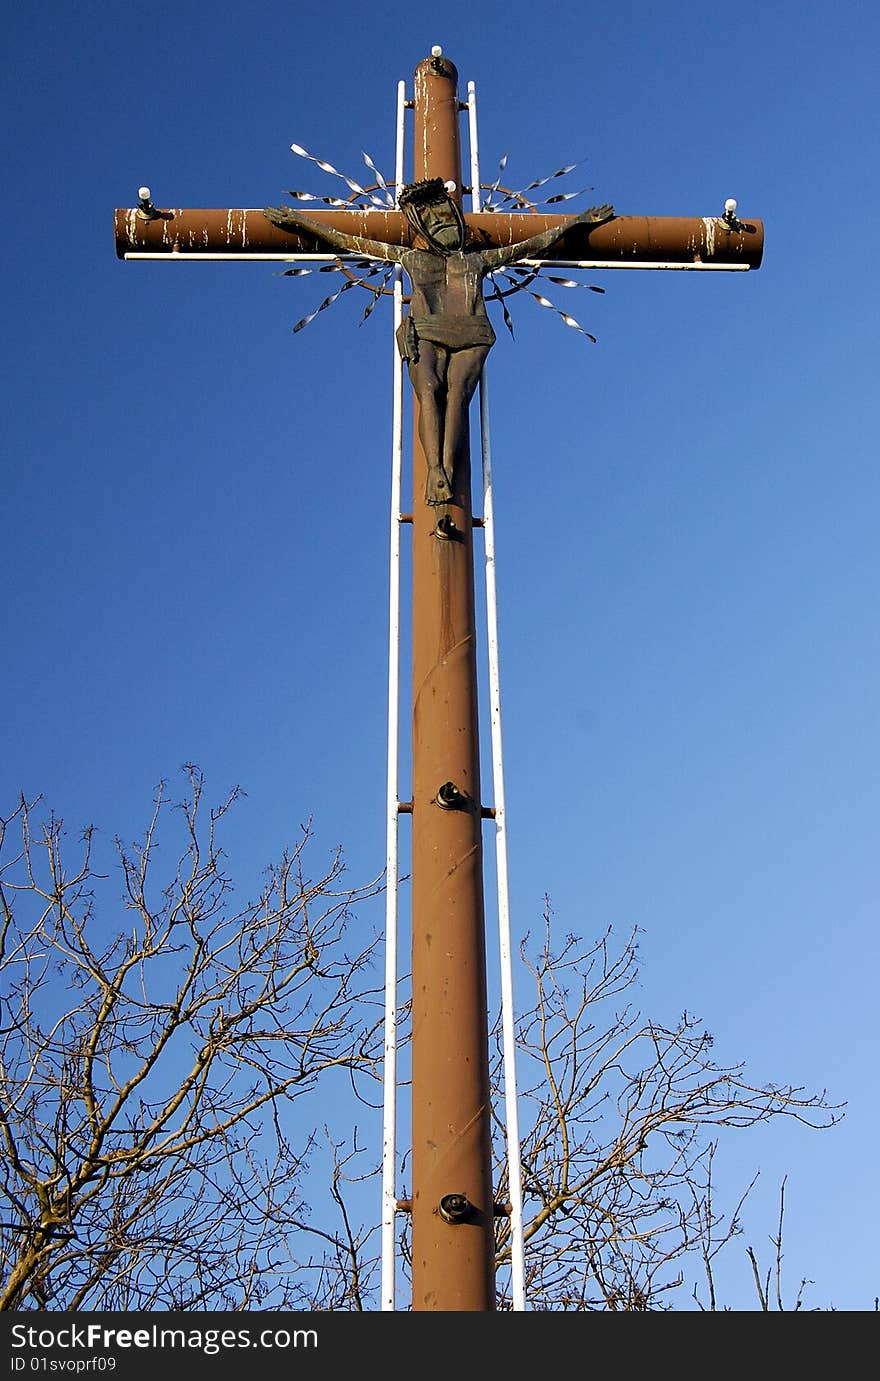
452 1202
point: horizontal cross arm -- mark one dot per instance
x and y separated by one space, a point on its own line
242 233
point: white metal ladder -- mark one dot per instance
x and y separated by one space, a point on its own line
389 1133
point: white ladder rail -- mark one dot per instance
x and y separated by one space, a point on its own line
389 1124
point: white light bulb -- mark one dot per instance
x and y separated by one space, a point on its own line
450 186
436 51
730 206
144 193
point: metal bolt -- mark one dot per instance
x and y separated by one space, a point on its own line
145 208
449 797
446 529
455 1208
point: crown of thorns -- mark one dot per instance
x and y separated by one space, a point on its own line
423 193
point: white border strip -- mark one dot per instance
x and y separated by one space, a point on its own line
627 264
182 257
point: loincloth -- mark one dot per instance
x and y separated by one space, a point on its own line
454 330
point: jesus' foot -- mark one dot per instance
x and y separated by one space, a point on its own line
438 488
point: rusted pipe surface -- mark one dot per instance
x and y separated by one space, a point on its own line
452 1258
636 239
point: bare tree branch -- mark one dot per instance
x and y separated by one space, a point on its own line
152 1149
148 1070
619 1119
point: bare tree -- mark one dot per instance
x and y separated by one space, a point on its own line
619 1120
147 1071
149 1079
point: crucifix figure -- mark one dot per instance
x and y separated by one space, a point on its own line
446 334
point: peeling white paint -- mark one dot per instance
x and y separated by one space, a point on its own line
709 223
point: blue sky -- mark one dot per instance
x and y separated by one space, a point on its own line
195 500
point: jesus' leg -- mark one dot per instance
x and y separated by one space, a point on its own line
462 376
428 375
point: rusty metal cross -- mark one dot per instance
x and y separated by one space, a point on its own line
452 1202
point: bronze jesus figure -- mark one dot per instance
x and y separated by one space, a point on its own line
446 334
